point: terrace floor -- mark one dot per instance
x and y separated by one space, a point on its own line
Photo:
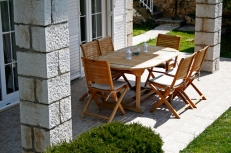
176 133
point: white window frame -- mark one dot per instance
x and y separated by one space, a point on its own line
11 98
89 20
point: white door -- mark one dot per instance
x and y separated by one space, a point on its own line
8 59
119 23
92 19
74 38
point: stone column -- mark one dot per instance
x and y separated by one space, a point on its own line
208 31
42 43
129 24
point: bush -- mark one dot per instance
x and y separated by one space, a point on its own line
147 24
113 137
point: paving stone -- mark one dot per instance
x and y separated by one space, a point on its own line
191 124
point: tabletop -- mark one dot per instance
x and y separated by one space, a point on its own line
155 56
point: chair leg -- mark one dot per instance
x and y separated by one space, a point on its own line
149 75
125 78
186 99
83 96
156 105
198 91
163 100
86 106
118 105
171 108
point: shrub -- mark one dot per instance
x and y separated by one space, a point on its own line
147 24
113 137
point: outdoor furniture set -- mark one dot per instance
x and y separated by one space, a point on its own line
103 67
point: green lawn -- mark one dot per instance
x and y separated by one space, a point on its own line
215 139
187 43
139 30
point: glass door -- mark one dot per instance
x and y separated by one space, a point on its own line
8 59
92 19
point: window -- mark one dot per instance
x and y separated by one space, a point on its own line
92 19
8 58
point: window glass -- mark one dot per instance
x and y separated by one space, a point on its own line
83 7
11 14
7 48
96 6
83 29
5 16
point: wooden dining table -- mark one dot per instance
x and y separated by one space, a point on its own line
138 64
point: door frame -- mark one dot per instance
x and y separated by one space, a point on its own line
11 98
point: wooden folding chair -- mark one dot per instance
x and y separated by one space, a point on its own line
171 42
165 41
194 71
100 85
106 46
164 85
90 50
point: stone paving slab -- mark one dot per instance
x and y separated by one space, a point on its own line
176 133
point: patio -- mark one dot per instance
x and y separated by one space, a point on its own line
176 133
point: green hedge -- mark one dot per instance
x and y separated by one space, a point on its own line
113 137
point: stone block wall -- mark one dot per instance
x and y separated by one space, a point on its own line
208 31
185 8
42 42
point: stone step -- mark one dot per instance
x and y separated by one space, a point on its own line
170 21
140 11
157 14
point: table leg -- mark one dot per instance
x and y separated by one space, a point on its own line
138 80
138 74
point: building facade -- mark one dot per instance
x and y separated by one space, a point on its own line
87 20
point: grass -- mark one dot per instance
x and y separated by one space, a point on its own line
139 30
187 45
215 139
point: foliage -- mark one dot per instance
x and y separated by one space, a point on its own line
227 4
113 137
143 24
216 138
225 44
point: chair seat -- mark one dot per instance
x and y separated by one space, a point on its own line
117 85
172 72
166 80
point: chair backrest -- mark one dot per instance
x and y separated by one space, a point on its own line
97 71
91 49
168 41
106 45
198 60
183 68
